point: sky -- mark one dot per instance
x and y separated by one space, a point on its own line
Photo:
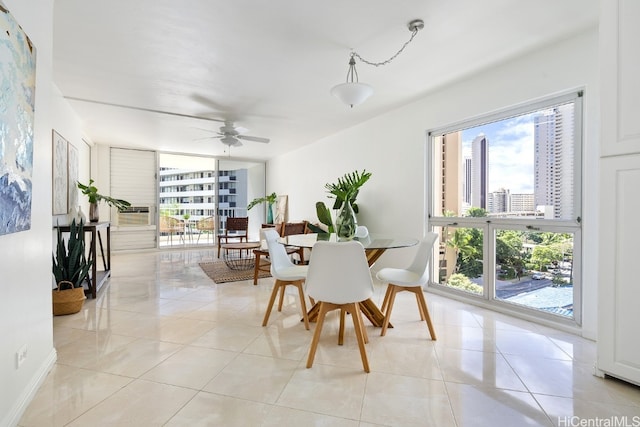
511 152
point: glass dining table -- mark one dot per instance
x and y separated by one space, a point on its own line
374 246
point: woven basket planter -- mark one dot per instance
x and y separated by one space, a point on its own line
67 301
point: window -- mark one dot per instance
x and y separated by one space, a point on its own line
505 199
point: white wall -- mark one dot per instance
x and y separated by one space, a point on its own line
68 125
25 306
392 147
25 264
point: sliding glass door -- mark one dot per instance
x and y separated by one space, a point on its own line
197 194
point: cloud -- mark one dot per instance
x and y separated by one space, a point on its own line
511 152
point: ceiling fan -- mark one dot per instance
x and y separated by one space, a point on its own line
230 135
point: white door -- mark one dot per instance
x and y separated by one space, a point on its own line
619 293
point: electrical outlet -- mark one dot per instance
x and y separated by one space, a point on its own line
21 356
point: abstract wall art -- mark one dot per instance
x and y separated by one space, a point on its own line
59 178
72 172
17 100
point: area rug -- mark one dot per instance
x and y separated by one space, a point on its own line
220 273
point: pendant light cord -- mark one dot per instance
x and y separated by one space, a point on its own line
377 64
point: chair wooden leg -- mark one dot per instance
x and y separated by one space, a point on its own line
357 324
303 304
364 330
316 334
385 301
256 268
301 255
387 314
417 291
343 316
283 286
423 303
274 293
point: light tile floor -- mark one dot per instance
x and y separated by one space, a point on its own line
164 345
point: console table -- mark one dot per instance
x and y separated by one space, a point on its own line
98 277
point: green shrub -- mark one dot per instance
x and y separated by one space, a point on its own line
461 281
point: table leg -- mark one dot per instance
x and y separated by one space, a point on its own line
368 308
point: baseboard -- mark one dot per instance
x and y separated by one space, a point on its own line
13 417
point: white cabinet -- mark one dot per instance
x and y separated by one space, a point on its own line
619 281
620 77
619 272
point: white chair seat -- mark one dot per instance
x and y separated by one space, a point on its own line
399 276
298 272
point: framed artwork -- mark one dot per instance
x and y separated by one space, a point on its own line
60 177
281 209
72 171
18 83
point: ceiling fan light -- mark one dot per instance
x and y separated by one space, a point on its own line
229 140
352 93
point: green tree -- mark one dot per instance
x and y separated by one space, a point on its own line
509 248
459 243
467 244
477 212
544 255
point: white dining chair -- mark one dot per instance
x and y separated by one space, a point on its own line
286 273
409 279
339 278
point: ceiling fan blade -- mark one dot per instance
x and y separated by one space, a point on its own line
253 138
204 129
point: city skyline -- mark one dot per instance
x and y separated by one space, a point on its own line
511 152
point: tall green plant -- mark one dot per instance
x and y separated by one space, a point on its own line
92 194
347 188
269 200
70 263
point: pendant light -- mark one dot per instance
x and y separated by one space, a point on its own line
352 92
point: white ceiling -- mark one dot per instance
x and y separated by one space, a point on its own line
269 65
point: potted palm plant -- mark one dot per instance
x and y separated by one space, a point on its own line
345 192
270 200
70 269
94 197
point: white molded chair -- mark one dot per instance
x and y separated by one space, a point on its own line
339 278
410 279
285 273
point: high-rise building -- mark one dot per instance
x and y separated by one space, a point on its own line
499 201
466 179
553 160
479 171
522 202
192 192
448 183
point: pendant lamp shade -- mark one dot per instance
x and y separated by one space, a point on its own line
352 93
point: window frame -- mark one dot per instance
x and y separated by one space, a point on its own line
489 226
